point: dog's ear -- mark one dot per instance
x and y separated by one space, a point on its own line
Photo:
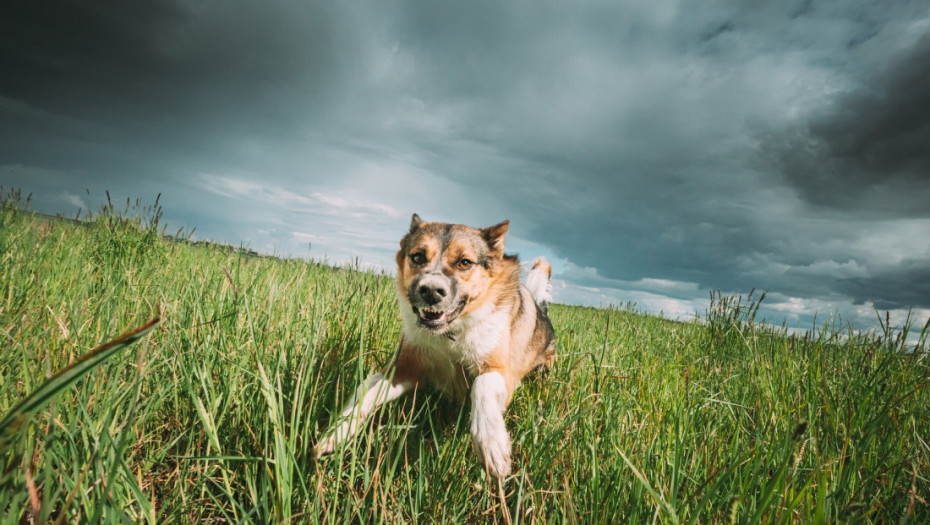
494 236
415 222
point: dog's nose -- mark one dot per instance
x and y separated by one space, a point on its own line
432 294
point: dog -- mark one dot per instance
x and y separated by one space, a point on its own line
470 329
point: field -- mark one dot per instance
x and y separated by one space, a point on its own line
212 416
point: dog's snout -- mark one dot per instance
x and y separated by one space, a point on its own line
432 293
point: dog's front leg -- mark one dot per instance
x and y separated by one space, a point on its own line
488 432
374 391
382 387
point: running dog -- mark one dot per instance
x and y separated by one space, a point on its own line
470 329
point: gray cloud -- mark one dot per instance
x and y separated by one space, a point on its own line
903 286
125 86
866 151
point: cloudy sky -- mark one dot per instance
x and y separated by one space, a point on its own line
653 150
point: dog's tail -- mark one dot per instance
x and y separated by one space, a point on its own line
538 282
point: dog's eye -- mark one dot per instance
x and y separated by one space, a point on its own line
418 258
464 264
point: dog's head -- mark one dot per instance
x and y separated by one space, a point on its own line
445 270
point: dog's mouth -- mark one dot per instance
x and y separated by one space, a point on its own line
436 319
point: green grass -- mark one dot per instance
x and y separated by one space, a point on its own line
212 417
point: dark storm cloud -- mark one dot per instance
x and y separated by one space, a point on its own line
121 85
904 286
867 150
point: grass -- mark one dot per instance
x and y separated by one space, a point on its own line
212 416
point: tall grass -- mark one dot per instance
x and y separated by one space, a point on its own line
213 418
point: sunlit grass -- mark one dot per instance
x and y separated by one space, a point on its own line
213 417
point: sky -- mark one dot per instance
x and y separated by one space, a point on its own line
654 151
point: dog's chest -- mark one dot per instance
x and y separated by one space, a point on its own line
461 353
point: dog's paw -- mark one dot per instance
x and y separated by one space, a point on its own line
335 436
325 447
492 443
329 441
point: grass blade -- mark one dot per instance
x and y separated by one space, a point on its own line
64 378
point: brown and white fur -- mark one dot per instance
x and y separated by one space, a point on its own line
471 329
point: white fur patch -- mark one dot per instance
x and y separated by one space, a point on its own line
374 391
488 432
479 333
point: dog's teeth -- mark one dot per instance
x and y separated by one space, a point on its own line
431 313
